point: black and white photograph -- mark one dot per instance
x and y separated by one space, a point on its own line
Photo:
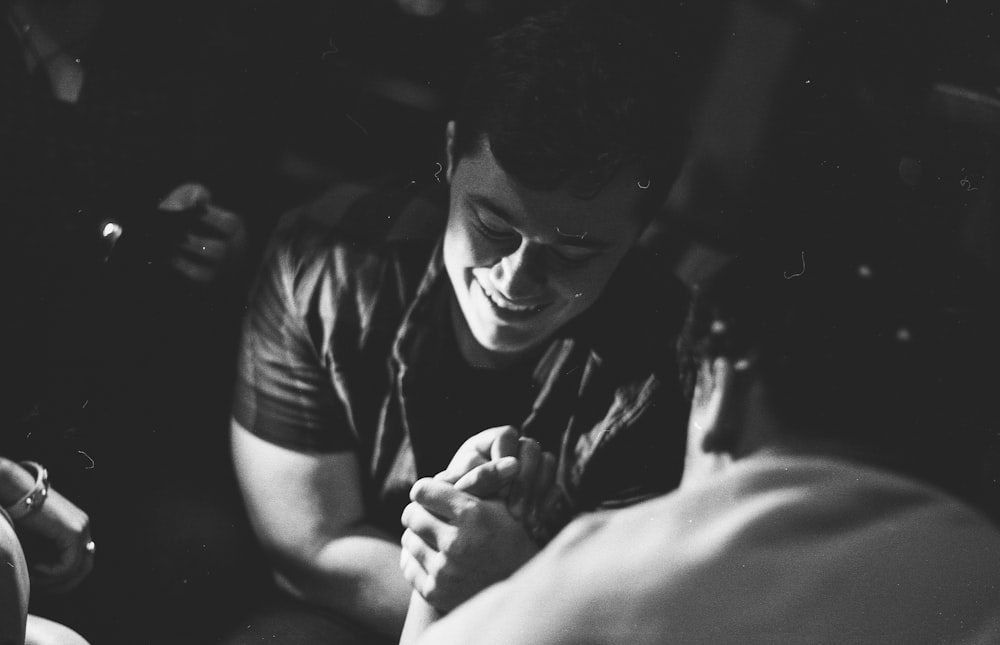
500 322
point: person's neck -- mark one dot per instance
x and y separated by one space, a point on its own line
745 425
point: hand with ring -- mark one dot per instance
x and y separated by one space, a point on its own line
54 532
217 244
57 541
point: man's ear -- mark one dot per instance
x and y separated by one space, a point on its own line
711 411
711 431
449 150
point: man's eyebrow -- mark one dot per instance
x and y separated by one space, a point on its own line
482 201
582 240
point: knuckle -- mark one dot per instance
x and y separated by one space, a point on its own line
476 475
430 592
419 489
410 543
448 546
443 578
407 515
463 465
454 548
468 513
438 568
411 573
506 431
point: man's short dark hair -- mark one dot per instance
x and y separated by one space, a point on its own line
856 350
571 97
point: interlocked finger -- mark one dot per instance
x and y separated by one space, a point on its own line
431 530
522 488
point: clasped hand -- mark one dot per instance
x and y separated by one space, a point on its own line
472 525
219 245
55 538
54 534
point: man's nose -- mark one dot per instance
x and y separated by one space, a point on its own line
520 274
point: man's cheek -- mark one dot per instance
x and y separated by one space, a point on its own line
480 254
459 252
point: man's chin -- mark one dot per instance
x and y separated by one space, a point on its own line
507 342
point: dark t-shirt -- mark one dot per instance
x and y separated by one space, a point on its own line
473 399
348 345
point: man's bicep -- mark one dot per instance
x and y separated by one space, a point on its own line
297 500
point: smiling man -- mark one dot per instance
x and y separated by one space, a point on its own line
396 334
525 262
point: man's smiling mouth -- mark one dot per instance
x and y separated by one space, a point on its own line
504 306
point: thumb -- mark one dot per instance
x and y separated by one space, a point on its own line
506 443
185 196
487 480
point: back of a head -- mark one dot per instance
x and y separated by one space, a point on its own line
573 96
854 350
870 327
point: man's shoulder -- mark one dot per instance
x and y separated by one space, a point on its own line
354 229
847 515
366 216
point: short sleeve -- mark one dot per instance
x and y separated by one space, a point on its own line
284 391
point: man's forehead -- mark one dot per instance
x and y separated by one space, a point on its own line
567 214
573 230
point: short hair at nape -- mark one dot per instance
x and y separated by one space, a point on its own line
857 350
573 96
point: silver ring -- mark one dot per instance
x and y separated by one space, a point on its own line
90 547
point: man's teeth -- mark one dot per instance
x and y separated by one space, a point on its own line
502 304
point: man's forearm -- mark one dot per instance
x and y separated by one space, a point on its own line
420 616
307 510
356 574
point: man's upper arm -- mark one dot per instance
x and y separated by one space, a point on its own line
293 448
297 500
